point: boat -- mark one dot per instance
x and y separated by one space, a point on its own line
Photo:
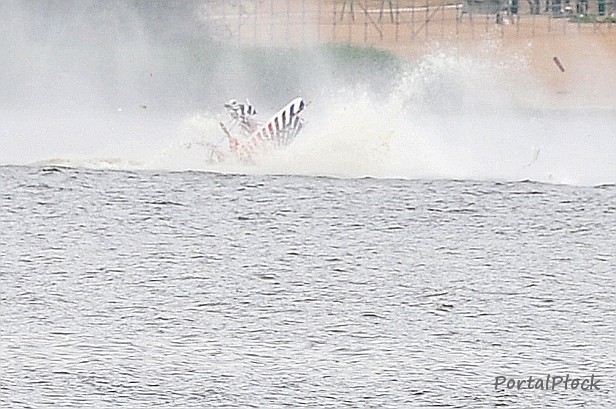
249 138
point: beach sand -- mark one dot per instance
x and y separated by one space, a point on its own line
586 51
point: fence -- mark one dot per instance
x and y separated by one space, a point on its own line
290 22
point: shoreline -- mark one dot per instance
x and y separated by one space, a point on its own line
587 51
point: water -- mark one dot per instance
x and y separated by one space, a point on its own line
191 289
123 87
132 275
446 115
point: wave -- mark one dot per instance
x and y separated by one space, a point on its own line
449 116
446 115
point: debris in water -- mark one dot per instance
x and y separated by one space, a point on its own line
559 65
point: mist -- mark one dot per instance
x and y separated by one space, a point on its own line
140 85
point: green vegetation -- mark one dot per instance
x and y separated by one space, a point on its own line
590 19
280 73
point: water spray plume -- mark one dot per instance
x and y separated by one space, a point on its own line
138 94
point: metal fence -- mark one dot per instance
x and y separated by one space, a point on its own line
289 22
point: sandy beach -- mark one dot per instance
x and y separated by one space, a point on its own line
411 28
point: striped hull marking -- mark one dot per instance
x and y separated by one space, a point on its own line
279 131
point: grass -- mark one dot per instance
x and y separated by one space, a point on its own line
592 19
216 73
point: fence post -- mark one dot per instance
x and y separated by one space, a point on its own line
256 10
334 23
239 23
397 20
319 21
427 16
413 4
271 18
303 21
442 18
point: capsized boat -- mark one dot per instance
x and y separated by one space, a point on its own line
249 138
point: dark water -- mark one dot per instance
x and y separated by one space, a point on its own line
177 290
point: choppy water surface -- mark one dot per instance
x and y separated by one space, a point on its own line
142 289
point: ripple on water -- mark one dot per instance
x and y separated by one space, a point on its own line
138 289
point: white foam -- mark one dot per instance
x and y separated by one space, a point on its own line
450 116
